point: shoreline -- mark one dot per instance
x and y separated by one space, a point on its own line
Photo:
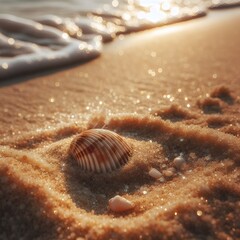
163 28
158 65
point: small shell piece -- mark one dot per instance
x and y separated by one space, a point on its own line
154 173
100 150
120 204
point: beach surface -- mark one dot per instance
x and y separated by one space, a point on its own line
171 91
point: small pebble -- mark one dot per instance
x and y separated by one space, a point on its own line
169 172
161 179
192 155
120 204
178 162
163 165
155 173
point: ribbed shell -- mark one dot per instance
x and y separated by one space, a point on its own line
100 150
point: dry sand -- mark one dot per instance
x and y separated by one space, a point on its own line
171 91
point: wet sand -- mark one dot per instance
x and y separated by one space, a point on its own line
169 92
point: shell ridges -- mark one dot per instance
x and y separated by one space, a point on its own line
100 150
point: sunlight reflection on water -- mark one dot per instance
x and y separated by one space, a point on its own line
61 32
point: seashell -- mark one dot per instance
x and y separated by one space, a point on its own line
100 150
120 204
154 173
